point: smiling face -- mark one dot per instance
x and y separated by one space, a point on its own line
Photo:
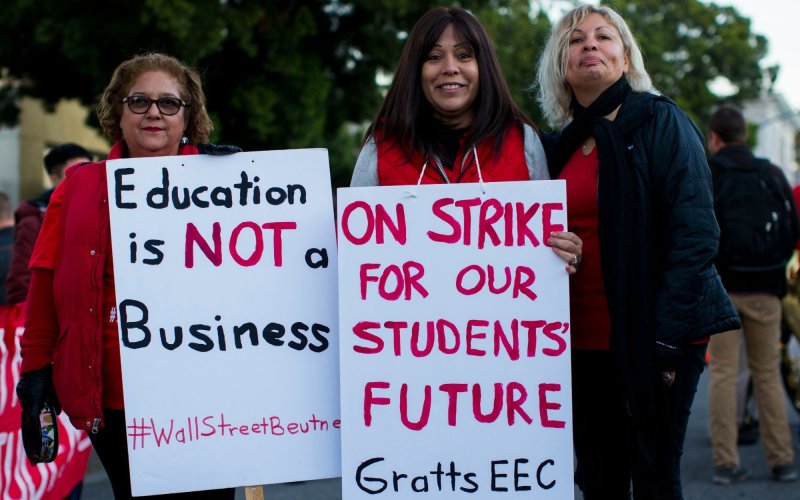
596 58
449 80
153 133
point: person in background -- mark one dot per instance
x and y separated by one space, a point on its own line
752 198
6 240
153 106
29 216
647 295
448 117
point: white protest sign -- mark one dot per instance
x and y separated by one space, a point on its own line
454 324
225 271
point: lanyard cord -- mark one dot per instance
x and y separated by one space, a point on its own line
477 165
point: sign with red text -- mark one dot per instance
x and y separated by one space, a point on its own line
454 321
225 270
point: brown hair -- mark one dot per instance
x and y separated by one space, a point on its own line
406 117
109 109
729 124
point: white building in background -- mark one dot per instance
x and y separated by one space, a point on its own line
778 126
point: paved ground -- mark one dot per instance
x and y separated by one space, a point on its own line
696 470
697 467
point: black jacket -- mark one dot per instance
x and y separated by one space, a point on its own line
662 289
772 282
674 182
674 189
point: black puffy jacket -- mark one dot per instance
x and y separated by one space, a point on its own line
667 151
663 291
674 187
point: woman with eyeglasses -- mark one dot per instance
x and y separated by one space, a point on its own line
153 106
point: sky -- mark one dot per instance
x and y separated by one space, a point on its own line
777 21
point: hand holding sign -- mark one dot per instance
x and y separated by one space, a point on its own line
455 339
225 281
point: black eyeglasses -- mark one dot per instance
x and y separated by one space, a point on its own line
168 106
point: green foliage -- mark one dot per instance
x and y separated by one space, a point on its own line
519 35
688 43
752 134
288 73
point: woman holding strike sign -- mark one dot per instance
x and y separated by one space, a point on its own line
153 106
448 117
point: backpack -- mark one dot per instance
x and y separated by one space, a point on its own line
754 215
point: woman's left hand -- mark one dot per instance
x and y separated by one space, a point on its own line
569 247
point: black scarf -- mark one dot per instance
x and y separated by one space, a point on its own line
584 122
625 230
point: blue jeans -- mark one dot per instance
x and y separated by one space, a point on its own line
610 464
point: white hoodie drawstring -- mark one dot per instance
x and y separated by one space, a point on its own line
419 181
477 165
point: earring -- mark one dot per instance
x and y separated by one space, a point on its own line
184 140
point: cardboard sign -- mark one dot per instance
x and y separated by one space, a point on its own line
225 271
454 321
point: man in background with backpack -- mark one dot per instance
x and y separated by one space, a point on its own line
758 231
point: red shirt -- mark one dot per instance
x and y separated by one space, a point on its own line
590 322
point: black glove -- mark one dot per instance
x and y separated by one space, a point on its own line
34 388
39 409
206 148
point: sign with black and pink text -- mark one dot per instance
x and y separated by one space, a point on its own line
225 275
454 349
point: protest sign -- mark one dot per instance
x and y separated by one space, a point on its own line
454 324
225 271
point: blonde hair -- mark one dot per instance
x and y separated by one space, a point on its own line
554 94
109 109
